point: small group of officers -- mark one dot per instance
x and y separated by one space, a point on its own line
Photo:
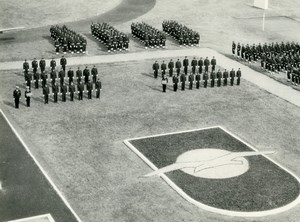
67 40
184 35
192 78
62 83
150 36
113 39
274 57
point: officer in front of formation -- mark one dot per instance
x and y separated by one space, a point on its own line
46 92
219 77
178 66
205 78
71 91
17 95
86 74
182 80
98 88
198 78
175 83
155 67
63 63
94 73
28 96
212 79
232 75
163 68
191 81
185 65
225 76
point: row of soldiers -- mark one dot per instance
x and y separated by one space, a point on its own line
195 64
196 79
111 37
67 40
150 36
184 35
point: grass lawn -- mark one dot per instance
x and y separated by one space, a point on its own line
81 146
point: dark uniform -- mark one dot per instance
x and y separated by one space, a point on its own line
200 64
238 49
42 65
191 81
94 72
164 82
213 64
212 79
232 75
171 67
63 63
233 47
98 87
17 96
206 64
163 68
52 64
36 80
46 92
89 87
225 76
25 66
34 65
63 90
185 65
86 74
219 77
55 90
28 96
238 75
53 77
178 67
194 64
205 79
155 67
175 83
71 91
78 75
197 78
182 80
61 76
70 75
80 88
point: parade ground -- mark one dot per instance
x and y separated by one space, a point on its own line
92 160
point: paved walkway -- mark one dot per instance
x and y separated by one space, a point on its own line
285 92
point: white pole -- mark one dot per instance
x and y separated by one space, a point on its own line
263 26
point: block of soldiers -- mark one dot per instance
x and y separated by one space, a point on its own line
94 72
194 64
238 75
98 88
200 64
182 80
52 64
46 92
55 91
80 88
213 63
232 75
185 64
178 66
198 78
63 63
89 87
71 91
206 64
225 77
86 74
155 67
17 96
28 96
171 67
70 75
205 78
175 83
219 78
78 75
42 64
212 79
191 80
164 82
163 68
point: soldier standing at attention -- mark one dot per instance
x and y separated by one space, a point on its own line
36 80
164 82
219 77
17 96
175 83
55 91
63 63
163 68
80 88
89 87
213 63
61 76
25 66
86 74
56 43
94 73
178 67
155 67
71 91
212 79
46 92
194 64
182 80
232 75
238 75
233 47
53 76
191 81
42 65
206 64
98 87
185 65
70 75
78 75
63 90
171 67
200 64
52 64
238 49
44 79
225 76
34 65
198 78
27 96
205 78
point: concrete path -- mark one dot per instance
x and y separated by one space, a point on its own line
285 92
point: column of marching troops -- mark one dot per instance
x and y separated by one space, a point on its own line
197 65
273 57
112 38
67 40
91 80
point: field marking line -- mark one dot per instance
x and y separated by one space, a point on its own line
48 216
41 168
204 206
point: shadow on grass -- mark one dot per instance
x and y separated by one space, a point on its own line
101 46
9 103
148 75
159 89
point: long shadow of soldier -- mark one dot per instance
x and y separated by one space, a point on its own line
102 46
148 75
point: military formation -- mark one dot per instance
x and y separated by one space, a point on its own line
59 83
67 40
273 57
113 39
195 73
182 34
150 36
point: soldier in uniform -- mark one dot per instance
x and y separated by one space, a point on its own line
78 75
213 63
44 79
53 76
98 87
163 68
28 77
63 90
185 65
175 83
178 66
46 92
232 75
233 47
27 96
238 49
164 82
225 76
171 67
194 64
200 64
212 79
155 67
182 80
63 63
17 96
71 91
89 87
70 75
52 64
94 72
36 80
34 65
55 91
206 64
80 88
238 75
198 78
219 77
205 78
42 65
25 66
57 44
86 74
61 76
